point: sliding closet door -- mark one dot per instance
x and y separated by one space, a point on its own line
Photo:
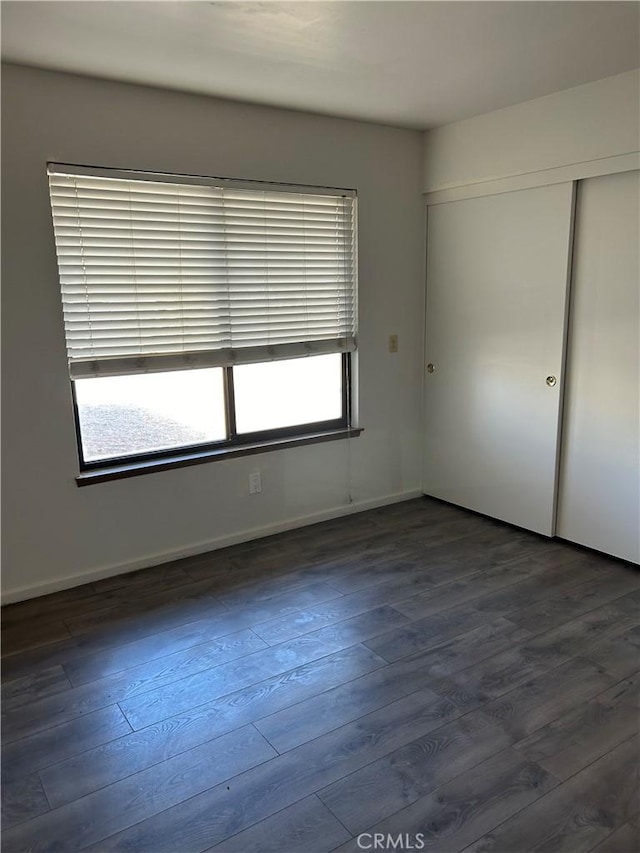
600 467
497 271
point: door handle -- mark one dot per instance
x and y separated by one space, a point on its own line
551 381
430 367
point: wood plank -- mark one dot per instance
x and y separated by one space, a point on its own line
263 587
400 778
448 595
469 649
386 568
291 591
308 593
166 577
124 625
90 668
447 551
327 543
346 571
125 803
485 551
541 700
25 664
61 742
536 589
485 548
575 816
372 623
625 839
333 708
97 596
223 811
45 604
410 566
574 740
21 637
150 611
62 707
619 655
497 675
425 633
36 685
96 768
455 814
582 598
121 629
353 604
305 826
179 697
22 800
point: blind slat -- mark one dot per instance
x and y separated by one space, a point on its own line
159 275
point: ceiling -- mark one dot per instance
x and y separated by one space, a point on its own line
412 64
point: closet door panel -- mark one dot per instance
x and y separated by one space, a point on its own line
497 270
599 503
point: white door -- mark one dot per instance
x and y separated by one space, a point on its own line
599 502
497 271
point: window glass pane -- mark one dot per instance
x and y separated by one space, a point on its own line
278 394
124 415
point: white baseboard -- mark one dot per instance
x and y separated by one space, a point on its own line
46 587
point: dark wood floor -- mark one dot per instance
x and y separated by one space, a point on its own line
415 669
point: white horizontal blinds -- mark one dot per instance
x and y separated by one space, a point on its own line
161 275
290 271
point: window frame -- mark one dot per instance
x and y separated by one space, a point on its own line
234 441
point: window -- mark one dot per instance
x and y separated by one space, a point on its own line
131 415
202 314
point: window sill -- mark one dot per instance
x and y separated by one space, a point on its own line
135 469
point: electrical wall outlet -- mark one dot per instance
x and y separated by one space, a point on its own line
255 483
393 343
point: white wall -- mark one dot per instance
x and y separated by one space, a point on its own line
56 534
588 123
